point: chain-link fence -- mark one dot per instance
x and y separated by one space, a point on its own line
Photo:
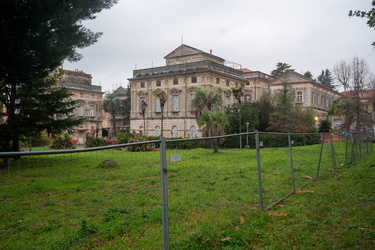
159 193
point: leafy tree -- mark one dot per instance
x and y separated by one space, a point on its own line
113 105
206 100
36 37
163 99
214 124
249 113
127 107
285 117
353 112
370 15
280 69
265 109
326 79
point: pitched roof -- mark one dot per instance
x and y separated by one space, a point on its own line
363 94
290 76
245 70
186 50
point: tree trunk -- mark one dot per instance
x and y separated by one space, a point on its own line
114 123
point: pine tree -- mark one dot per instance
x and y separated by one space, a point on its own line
36 37
326 79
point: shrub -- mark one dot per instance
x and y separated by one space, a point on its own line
124 137
63 142
92 142
141 147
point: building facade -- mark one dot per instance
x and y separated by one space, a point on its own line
121 126
90 103
187 70
309 94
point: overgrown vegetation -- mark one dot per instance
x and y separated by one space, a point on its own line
66 201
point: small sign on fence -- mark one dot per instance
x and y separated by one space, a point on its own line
175 158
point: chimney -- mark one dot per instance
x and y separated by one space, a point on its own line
210 51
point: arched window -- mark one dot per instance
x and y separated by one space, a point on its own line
193 132
174 132
157 131
141 130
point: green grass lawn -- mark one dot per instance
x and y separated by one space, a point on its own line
66 201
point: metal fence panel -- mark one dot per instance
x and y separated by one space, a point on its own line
69 201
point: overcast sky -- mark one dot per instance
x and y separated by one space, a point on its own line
310 35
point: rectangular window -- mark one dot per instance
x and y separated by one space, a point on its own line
158 83
81 110
299 97
194 79
226 101
92 96
227 83
142 84
157 105
81 95
175 81
217 80
92 111
247 83
175 103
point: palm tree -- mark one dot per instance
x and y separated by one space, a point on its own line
112 105
238 93
206 100
163 99
214 124
143 110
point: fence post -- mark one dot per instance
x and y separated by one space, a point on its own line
354 149
291 161
346 148
164 193
367 141
259 171
321 152
359 146
332 151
